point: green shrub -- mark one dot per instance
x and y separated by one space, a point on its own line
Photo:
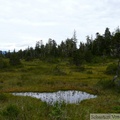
80 68
98 59
3 63
116 108
89 72
111 69
19 84
58 111
57 71
50 60
3 98
11 112
88 56
14 60
28 58
106 84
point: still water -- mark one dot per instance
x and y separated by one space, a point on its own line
60 96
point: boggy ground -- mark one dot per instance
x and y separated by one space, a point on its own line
45 77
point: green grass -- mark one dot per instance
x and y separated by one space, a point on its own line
41 76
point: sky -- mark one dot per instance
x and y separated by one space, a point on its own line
23 22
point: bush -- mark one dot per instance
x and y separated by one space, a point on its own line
14 60
58 71
89 72
51 60
78 58
88 56
3 63
106 84
58 111
11 112
28 58
80 68
111 69
98 59
3 98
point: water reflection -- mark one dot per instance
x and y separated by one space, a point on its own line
66 96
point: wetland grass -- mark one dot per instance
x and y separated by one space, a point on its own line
38 76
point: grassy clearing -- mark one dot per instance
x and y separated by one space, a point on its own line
40 76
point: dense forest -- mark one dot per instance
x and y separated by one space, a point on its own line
101 46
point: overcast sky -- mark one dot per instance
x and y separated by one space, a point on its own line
23 22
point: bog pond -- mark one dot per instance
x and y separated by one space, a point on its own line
70 96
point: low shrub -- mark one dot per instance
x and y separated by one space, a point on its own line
111 69
106 84
89 72
116 108
3 97
14 60
11 112
3 63
80 68
51 60
98 59
58 71
58 111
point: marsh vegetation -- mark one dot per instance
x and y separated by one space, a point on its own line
39 76
50 68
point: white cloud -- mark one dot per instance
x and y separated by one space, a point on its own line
23 22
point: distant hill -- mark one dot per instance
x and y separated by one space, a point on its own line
3 52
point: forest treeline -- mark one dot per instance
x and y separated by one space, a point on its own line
104 45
